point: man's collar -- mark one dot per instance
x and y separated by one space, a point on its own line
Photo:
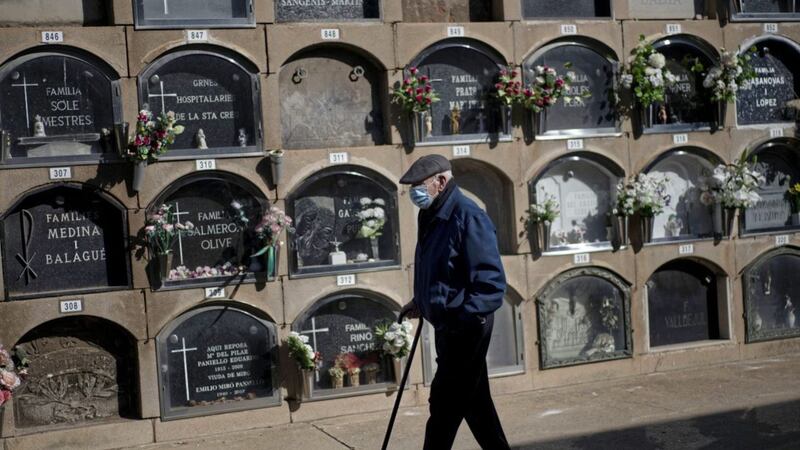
446 209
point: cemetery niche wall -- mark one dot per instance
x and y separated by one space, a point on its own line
686 106
82 371
64 238
463 73
779 161
447 10
584 316
544 9
589 108
219 248
685 303
583 184
217 359
493 191
506 351
342 327
761 10
346 219
58 104
331 96
327 10
685 216
188 13
771 296
215 95
764 99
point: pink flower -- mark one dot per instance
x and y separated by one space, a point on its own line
275 228
4 396
407 81
413 70
168 227
559 82
5 358
423 78
9 379
150 229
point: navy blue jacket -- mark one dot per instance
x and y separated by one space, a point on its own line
458 274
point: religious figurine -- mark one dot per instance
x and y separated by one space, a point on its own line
200 137
455 120
428 124
662 114
790 316
242 138
38 127
337 256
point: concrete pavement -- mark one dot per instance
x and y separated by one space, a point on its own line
743 405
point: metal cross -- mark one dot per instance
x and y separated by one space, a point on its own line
24 86
313 331
335 242
178 214
26 223
185 350
162 95
481 119
166 7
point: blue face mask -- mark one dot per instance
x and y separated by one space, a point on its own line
419 196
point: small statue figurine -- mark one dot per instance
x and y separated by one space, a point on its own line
242 138
38 127
455 120
662 114
337 256
790 316
200 137
428 124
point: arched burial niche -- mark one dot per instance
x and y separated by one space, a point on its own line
583 184
215 94
590 108
506 353
82 371
62 239
584 316
217 359
190 13
779 161
463 73
58 105
344 325
346 219
771 296
493 191
764 99
539 9
686 302
331 97
685 216
221 243
686 106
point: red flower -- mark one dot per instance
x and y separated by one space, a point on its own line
499 85
428 89
413 70
513 73
419 98
419 90
407 81
559 82
428 100
423 78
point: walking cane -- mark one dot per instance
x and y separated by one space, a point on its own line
402 383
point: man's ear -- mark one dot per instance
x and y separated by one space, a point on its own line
442 182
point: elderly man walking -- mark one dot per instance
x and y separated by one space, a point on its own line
458 284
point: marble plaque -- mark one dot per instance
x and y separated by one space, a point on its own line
447 10
765 6
779 165
534 9
665 9
771 296
189 13
764 99
326 10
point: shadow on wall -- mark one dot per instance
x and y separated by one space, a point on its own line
773 426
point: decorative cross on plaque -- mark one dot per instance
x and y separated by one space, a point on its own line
185 350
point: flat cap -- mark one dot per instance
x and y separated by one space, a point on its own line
425 167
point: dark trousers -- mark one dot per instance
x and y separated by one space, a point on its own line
460 389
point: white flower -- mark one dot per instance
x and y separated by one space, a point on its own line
379 213
656 60
728 59
651 71
304 339
539 80
294 334
236 205
365 201
732 86
380 202
407 326
389 335
540 69
627 80
656 81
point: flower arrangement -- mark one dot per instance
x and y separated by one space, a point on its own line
646 74
507 88
734 185
793 195
395 338
337 374
224 270
373 217
734 71
650 194
545 211
240 215
153 136
11 373
162 229
350 364
271 225
625 201
302 353
416 93
547 87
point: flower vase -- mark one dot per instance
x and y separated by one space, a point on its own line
338 382
728 215
543 235
121 137
722 110
417 124
620 227
276 166
164 265
373 242
537 122
265 263
645 117
505 120
795 219
647 229
371 376
397 366
138 175
355 379
308 383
